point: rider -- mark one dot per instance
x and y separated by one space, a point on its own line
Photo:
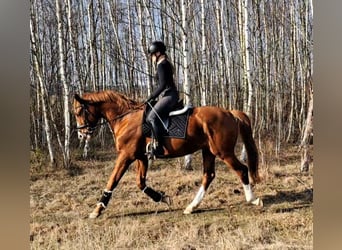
166 91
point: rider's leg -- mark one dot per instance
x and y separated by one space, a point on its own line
160 110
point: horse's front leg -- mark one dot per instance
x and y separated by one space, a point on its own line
157 196
121 165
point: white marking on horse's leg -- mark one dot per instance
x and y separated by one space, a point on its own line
250 198
97 211
197 200
258 202
86 147
93 215
248 192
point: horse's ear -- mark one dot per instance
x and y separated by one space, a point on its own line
79 99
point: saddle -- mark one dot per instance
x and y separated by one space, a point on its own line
175 124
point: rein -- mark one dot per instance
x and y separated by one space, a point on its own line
103 123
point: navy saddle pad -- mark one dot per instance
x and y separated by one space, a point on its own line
176 125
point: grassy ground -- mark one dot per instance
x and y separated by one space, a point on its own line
60 201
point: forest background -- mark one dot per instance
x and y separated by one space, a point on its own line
252 55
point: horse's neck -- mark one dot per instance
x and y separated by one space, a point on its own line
126 120
111 112
114 113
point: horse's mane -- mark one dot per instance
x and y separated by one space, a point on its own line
110 96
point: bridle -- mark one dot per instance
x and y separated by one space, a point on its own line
86 114
91 128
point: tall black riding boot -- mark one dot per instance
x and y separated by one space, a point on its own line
158 136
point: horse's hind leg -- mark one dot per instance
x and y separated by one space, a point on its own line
242 172
207 178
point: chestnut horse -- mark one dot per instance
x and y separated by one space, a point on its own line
212 129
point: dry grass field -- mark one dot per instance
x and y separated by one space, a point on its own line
60 201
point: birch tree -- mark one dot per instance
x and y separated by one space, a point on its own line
244 39
204 55
308 131
253 55
307 135
186 83
221 58
66 150
143 47
74 69
35 55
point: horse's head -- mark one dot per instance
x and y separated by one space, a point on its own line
86 115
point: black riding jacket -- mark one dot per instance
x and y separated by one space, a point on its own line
164 77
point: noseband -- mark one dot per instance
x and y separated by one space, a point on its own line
86 112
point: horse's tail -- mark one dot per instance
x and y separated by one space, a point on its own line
245 130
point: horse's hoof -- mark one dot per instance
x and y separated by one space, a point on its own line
93 215
188 210
96 212
167 199
258 202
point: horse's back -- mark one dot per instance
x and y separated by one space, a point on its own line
213 115
215 121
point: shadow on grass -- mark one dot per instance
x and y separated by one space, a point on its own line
302 199
164 211
75 170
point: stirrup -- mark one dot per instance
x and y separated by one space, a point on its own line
150 151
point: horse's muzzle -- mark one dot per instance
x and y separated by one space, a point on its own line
84 131
84 135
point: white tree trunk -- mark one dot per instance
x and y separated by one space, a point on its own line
245 56
187 86
66 153
244 41
42 93
74 74
91 45
143 47
308 131
204 56
221 59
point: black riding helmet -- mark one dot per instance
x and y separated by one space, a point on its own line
157 46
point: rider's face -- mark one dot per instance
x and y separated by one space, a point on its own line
154 56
